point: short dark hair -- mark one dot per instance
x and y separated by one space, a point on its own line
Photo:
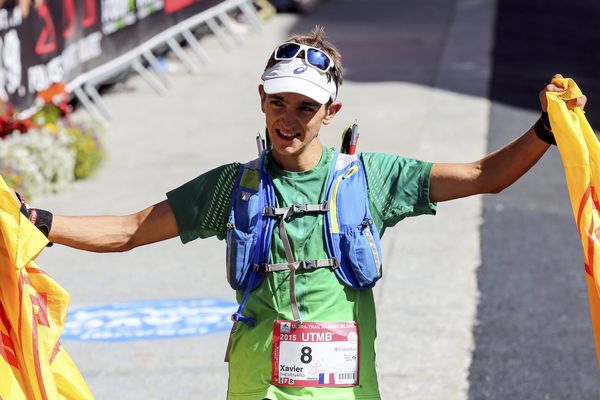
317 39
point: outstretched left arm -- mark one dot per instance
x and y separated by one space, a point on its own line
497 170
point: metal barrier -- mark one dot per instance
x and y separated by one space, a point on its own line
85 86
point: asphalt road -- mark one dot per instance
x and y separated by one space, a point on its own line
533 290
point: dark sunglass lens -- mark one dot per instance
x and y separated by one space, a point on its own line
318 59
287 50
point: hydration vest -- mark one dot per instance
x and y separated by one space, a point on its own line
352 240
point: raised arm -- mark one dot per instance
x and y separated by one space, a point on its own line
497 170
115 233
491 174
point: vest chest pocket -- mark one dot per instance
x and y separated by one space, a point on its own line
246 209
240 253
362 253
240 237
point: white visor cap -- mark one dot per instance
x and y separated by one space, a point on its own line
296 76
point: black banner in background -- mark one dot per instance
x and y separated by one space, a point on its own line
60 40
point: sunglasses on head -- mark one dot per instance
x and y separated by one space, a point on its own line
314 57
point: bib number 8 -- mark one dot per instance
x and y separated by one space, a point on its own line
306 355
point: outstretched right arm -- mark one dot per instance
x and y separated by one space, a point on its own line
105 234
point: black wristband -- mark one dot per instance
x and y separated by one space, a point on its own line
543 130
42 219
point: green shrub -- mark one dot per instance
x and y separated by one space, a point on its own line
88 150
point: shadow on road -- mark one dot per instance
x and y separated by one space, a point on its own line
391 40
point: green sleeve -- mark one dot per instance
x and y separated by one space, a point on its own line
202 204
398 188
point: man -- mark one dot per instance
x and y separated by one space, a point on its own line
305 299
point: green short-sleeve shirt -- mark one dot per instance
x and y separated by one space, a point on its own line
398 188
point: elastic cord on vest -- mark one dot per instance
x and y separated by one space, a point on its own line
238 315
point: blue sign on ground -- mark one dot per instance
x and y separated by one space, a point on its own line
155 319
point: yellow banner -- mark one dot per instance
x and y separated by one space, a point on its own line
580 153
33 307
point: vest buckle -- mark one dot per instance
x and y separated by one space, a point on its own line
299 208
307 264
336 263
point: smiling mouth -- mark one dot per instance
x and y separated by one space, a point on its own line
287 135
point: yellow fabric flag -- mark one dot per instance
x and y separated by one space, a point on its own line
580 153
33 307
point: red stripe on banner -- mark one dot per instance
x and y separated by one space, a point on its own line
55 352
4 319
41 315
23 279
582 203
592 233
26 279
21 294
7 348
590 249
36 358
33 270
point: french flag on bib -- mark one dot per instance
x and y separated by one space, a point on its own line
326 378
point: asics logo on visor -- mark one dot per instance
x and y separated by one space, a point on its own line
300 70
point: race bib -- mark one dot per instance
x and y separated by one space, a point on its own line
315 354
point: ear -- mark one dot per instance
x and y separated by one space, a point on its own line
263 97
331 110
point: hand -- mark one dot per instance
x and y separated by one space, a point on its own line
552 87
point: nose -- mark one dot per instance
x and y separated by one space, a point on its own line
289 118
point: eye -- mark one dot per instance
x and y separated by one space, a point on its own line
308 109
276 102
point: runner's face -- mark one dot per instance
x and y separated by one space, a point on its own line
293 124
